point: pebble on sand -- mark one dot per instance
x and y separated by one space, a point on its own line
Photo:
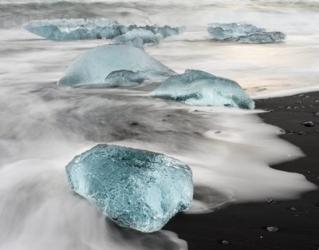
272 229
309 124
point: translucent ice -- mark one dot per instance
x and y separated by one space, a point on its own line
263 37
78 29
139 35
196 87
74 29
95 66
243 33
137 189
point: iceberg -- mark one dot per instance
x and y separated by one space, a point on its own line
195 87
137 189
243 33
95 66
80 29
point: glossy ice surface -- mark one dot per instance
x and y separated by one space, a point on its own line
97 28
74 29
243 33
95 65
137 189
195 87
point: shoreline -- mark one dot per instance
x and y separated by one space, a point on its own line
284 93
296 222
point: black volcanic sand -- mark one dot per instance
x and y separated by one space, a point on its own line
244 226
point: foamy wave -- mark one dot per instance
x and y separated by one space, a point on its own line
168 2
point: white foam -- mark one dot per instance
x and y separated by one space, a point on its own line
233 160
38 211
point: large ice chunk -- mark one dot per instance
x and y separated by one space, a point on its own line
95 66
243 33
195 87
79 29
138 189
75 29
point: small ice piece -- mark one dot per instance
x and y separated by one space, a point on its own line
195 87
74 29
264 37
137 189
140 35
272 229
146 36
243 33
94 66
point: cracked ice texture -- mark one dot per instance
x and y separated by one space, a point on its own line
137 189
243 33
95 66
74 29
195 87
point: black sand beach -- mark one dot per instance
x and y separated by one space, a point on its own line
292 224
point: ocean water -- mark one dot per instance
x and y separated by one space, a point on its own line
43 126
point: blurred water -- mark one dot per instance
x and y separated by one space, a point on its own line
278 69
42 126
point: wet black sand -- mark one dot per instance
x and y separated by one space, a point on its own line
243 226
